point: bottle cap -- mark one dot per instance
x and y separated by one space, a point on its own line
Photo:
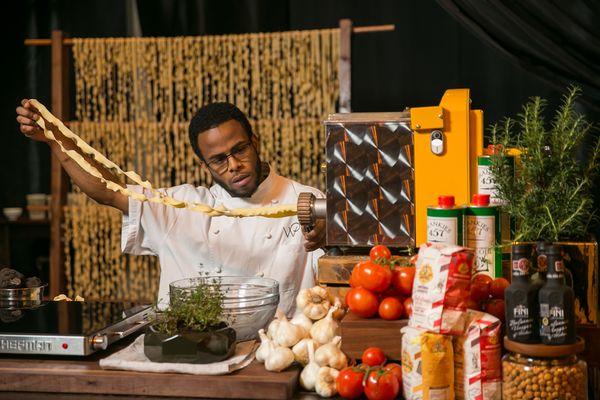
446 201
521 249
481 199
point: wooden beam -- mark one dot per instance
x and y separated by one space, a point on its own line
58 179
344 65
356 30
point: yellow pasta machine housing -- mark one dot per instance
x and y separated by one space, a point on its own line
384 170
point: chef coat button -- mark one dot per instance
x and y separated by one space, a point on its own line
269 236
260 274
216 232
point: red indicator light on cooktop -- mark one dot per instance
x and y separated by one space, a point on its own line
65 346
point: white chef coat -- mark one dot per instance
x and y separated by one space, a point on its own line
188 243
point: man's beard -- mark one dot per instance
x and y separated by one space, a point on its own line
238 193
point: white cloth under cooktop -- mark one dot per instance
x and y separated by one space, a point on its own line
132 358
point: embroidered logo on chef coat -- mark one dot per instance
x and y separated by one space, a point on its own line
292 230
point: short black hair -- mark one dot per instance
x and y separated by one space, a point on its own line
212 115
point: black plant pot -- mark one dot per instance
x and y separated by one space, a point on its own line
213 345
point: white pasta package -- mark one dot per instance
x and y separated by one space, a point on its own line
477 359
412 379
441 288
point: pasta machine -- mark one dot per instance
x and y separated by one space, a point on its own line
384 169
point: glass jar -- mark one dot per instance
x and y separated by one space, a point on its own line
538 378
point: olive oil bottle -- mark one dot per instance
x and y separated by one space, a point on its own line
557 303
522 307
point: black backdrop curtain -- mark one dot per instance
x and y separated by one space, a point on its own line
557 40
428 53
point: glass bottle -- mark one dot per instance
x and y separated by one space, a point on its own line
522 312
557 303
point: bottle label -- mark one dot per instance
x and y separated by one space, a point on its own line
481 237
521 325
542 263
554 325
442 230
559 266
520 267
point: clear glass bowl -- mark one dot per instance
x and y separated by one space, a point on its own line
249 303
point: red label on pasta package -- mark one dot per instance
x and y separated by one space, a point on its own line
441 288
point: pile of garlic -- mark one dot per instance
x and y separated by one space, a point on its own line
312 339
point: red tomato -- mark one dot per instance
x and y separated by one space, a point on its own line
473 305
373 276
402 279
497 288
349 382
353 281
408 307
373 356
480 287
391 292
362 302
391 309
380 253
382 385
496 308
396 369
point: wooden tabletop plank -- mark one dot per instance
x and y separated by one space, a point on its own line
71 375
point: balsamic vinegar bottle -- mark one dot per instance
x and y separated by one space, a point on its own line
557 304
522 317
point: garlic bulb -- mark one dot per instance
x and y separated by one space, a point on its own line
313 302
274 325
279 359
325 384
325 330
330 354
300 350
308 376
288 334
341 311
266 345
302 320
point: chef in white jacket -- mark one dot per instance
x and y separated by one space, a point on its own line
188 243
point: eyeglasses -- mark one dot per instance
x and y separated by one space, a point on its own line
241 152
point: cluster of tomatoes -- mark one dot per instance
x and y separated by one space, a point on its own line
380 286
376 379
487 295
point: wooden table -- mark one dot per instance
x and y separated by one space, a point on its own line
82 378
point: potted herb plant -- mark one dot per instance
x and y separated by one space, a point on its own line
192 329
549 195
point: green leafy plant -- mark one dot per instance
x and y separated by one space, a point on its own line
550 196
193 311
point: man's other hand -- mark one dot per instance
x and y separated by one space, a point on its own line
315 238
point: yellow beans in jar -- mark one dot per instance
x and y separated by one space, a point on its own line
527 378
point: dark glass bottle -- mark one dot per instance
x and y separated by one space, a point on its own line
557 304
522 317
540 265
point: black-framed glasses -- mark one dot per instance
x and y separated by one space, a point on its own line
220 163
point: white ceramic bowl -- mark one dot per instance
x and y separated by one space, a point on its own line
13 213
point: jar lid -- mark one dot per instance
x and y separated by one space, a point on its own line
446 201
481 199
544 350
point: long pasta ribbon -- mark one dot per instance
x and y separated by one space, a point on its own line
279 211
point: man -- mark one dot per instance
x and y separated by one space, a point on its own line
189 243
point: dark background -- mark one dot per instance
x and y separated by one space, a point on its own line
430 51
